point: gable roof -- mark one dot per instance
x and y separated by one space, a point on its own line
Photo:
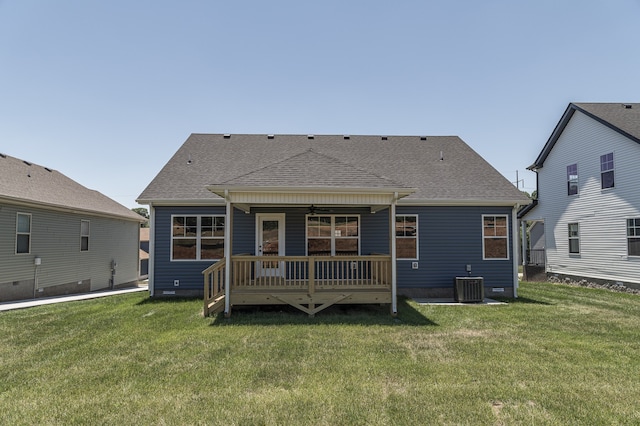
439 168
622 118
28 183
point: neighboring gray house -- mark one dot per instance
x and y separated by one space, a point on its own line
58 237
315 220
588 197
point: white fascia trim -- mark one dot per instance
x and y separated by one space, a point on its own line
183 202
220 190
72 210
449 202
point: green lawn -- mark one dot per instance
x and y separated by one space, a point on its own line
558 355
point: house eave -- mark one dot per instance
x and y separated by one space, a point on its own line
221 190
467 202
65 209
188 202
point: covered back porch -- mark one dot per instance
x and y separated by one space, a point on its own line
333 269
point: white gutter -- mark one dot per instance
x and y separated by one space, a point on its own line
152 245
514 247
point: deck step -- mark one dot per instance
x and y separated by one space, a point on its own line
215 306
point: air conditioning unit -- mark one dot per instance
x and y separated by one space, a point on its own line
468 289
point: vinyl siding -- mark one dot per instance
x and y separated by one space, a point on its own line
601 214
55 238
450 238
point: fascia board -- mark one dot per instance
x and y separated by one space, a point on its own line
58 208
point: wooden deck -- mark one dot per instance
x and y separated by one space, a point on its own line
309 283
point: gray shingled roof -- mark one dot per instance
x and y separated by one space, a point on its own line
22 181
331 160
621 117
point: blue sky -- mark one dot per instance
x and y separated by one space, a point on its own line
106 91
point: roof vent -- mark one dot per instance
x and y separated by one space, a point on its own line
423 138
227 136
26 162
346 136
270 136
628 106
310 136
48 169
384 138
3 155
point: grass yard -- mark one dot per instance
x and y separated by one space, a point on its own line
559 355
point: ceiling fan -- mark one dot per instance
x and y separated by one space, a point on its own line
313 210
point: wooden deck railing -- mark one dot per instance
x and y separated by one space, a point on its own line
311 272
214 287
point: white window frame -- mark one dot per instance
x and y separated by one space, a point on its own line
18 232
198 236
570 180
83 235
611 170
333 231
571 238
416 237
636 235
505 237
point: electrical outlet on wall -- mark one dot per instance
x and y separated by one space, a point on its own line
176 283
414 265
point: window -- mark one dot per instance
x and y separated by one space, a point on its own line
84 235
333 235
495 236
633 237
407 237
572 179
574 238
197 237
23 233
606 171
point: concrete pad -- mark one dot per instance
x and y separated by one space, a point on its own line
21 304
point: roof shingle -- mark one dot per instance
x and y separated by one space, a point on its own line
442 168
22 181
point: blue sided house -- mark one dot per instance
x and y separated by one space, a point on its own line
311 221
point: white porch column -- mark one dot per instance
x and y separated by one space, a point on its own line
392 235
228 237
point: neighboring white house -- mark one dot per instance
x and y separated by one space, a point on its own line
58 237
588 195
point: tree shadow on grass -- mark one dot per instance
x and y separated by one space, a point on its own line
370 314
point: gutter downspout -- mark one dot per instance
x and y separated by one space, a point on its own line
152 248
514 248
394 266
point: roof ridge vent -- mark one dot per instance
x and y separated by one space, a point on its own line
627 106
3 155
423 138
310 136
48 169
346 136
26 162
227 136
270 136
384 138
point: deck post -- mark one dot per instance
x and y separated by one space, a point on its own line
392 235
